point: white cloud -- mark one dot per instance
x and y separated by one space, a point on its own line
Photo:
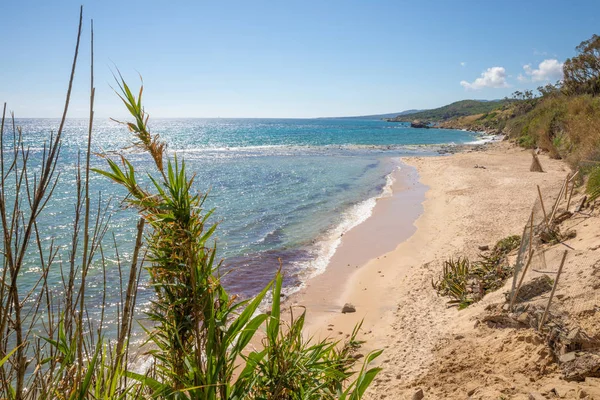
463 64
548 70
494 77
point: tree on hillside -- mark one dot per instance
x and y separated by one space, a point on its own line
582 72
550 89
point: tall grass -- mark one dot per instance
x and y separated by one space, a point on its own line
50 348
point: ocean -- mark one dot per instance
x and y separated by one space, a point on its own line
282 189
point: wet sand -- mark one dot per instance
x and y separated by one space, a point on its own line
391 222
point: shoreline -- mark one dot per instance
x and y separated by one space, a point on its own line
391 222
463 207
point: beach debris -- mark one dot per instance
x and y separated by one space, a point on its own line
581 205
536 396
418 395
562 217
348 308
536 166
567 357
580 366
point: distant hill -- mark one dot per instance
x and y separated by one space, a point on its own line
377 116
458 109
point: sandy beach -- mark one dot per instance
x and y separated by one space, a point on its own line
471 199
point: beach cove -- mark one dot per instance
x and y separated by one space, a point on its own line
472 198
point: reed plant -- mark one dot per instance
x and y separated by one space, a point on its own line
200 332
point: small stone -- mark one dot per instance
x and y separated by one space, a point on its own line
458 337
348 308
471 392
418 395
485 247
581 394
399 376
536 396
523 318
567 357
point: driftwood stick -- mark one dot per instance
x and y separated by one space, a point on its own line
574 175
515 290
553 290
580 206
531 232
570 195
516 294
543 208
555 207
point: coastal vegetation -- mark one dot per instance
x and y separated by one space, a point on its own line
467 282
202 343
593 184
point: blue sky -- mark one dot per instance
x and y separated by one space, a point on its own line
286 58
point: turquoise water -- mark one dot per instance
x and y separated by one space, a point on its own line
281 188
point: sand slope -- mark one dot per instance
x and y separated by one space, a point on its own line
428 345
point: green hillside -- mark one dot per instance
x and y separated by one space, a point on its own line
377 116
458 109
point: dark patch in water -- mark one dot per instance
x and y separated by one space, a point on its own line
247 275
370 166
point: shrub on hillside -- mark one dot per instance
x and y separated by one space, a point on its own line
593 184
566 127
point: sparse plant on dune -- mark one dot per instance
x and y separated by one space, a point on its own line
453 281
467 282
